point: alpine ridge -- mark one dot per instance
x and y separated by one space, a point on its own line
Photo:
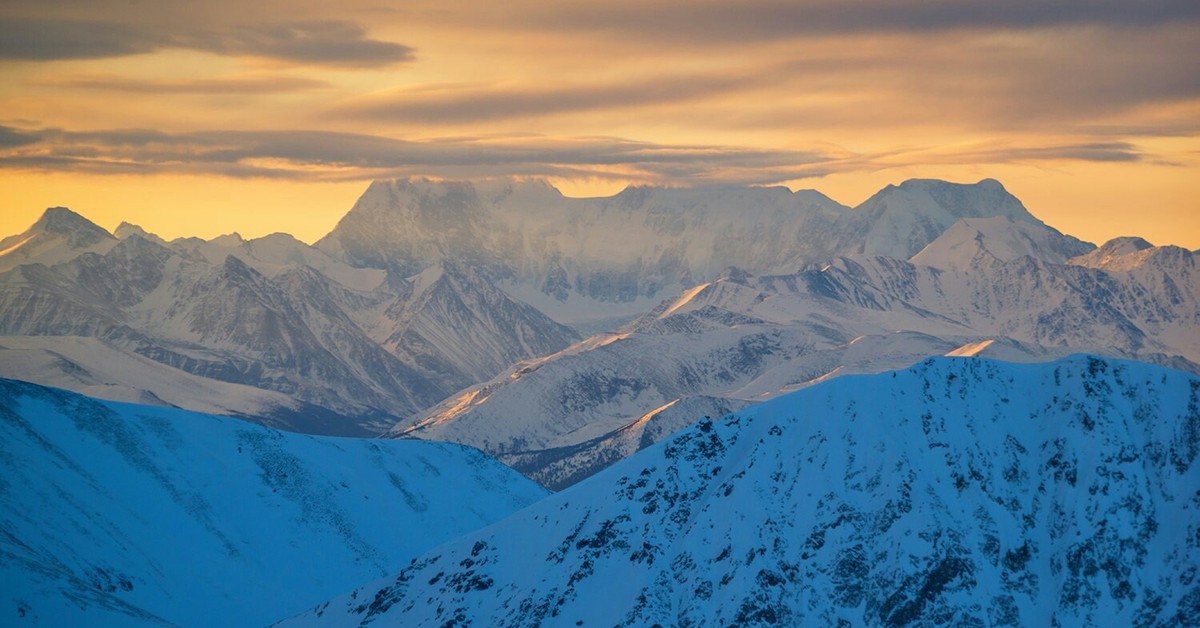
746 338
346 348
960 491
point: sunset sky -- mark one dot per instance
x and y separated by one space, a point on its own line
206 117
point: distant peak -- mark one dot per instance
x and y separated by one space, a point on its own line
127 230
952 201
910 184
1125 244
78 231
64 221
229 239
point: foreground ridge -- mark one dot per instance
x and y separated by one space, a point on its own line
960 491
122 515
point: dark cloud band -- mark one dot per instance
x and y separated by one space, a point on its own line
327 42
320 155
706 23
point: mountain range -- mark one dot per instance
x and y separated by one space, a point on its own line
741 339
730 388
563 333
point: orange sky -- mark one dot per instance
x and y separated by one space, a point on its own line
201 118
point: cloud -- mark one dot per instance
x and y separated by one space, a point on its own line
229 85
707 23
1007 153
474 103
331 42
322 155
48 40
322 42
13 138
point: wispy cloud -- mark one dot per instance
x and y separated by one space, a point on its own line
226 85
320 155
477 103
323 42
709 23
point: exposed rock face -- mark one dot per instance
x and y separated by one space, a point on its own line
960 491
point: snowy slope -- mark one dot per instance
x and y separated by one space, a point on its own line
125 515
749 338
97 369
960 491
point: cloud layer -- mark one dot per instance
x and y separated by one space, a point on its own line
1068 97
324 42
307 154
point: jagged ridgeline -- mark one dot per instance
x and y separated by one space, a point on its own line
961 491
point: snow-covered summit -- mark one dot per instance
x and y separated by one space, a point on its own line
58 235
899 220
1127 253
974 240
645 240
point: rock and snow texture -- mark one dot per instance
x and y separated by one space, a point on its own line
425 288
748 338
354 347
587 257
122 515
960 491
59 235
969 241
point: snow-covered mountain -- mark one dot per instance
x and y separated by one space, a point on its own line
745 338
351 347
123 515
424 288
584 261
961 491
971 240
59 235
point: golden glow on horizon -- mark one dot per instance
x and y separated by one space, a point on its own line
1093 123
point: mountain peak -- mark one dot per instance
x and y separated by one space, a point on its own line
128 230
59 235
998 238
1123 253
64 222
900 220
982 199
